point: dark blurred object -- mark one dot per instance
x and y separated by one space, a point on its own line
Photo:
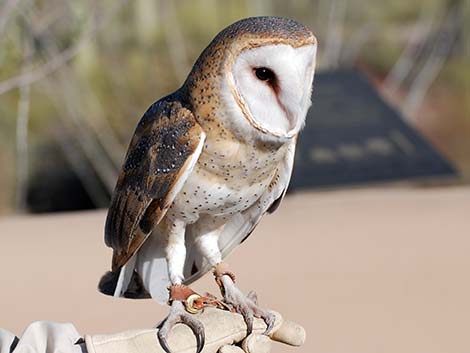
54 187
352 136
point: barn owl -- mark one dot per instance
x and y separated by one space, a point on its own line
205 164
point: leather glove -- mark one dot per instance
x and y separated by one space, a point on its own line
225 333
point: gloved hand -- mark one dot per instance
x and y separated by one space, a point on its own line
225 333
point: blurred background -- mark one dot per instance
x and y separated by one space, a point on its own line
76 76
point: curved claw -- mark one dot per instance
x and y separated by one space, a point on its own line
248 316
197 329
201 341
163 342
270 320
179 315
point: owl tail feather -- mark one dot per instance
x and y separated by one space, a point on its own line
112 284
108 282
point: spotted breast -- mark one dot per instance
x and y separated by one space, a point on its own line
229 177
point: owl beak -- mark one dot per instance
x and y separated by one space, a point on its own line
297 111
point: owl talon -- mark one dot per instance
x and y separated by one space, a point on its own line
270 320
247 305
253 296
248 316
163 342
179 315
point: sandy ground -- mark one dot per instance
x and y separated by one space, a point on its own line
366 270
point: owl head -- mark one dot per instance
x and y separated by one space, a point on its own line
260 72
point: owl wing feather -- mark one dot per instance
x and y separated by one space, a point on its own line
162 153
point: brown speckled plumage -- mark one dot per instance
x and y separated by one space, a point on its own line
165 138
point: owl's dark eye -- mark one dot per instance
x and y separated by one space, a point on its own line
264 74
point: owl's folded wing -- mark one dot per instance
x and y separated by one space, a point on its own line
161 155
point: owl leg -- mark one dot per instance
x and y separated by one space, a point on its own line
181 296
179 314
246 305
